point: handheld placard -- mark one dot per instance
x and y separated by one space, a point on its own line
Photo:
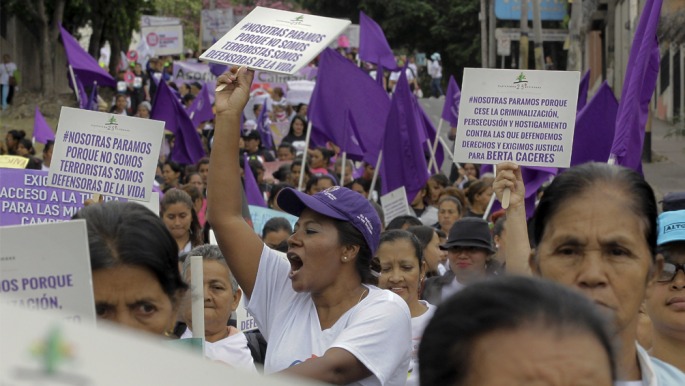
198 297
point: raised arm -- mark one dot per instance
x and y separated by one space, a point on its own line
238 242
517 246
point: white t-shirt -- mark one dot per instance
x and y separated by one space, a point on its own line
231 350
375 331
6 70
395 76
418 325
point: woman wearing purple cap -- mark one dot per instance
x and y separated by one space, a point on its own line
321 321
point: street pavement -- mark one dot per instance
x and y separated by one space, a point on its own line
666 172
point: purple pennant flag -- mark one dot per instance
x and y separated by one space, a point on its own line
640 80
263 130
84 65
252 193
373 46
582 91
404 163
533 178
188 147
450 111
340 87
595 125
201 108
42 132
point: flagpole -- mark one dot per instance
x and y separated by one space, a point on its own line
344 167
375 175
435 148
304 155
197 298
73 82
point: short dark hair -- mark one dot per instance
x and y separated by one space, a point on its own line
576 180
400 221
399 234
423 233
276 224
504 303
126 233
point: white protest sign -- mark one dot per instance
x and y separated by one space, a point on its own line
46 267
163 35
395 204
215 23
105 153
39 349
273 40
523 116
300 91
244 320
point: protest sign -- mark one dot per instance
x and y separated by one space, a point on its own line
274 40
163 35
244 320
526 117
261 215
300 91
40 349
189 72
13 161
105 153
26 198
37 275
395 204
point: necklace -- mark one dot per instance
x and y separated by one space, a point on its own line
362 295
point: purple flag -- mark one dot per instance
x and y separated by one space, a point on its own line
42 132
450 111
404 163
595 125
340 87
430 132
533 178
84 65
582 91
93 100
373 46
638 87
188 147
201 108
263 130
217 69
252 193
83 96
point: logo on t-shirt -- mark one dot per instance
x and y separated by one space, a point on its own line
297 362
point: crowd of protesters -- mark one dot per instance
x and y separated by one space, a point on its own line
428 298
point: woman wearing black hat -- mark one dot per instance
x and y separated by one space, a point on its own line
321 321
469 252
254 148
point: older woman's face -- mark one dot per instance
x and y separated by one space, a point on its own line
448 214
132 296
597 245
220 299
196 181
538 356
400 269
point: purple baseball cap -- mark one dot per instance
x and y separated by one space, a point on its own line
339 203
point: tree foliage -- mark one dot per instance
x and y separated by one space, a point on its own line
189 13
445 26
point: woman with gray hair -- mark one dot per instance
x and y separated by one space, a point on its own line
222 295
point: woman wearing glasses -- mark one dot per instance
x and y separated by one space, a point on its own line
595 230
666 302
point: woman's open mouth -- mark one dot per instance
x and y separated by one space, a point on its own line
295 263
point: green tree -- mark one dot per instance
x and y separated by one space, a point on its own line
189 13
43 19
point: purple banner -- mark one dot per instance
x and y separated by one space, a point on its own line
25 198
